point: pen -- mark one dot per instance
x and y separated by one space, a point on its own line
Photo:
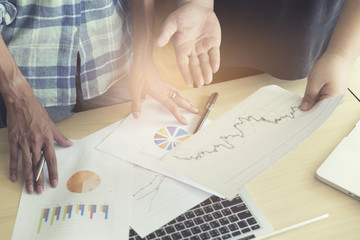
209 106
354 95
293 227
40 167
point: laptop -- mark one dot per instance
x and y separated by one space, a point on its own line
215 218
341 169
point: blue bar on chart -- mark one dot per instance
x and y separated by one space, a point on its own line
105 209
56 212
67 212
44 216
80 207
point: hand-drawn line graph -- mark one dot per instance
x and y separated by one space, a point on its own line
227 141
150 190
248 139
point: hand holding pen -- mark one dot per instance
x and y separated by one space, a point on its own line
40 167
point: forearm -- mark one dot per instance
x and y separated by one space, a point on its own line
12 82
345 41
142 18
7 67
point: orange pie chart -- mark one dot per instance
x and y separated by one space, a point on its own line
83 182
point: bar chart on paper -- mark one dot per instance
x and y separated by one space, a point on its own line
72 217
88 202
80 215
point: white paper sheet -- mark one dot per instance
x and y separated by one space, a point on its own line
158 199
145 140
153 199
235 148
91 201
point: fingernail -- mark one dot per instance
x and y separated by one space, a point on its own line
39 189
13 178
53 183
195 109
30 189
136 115
304 106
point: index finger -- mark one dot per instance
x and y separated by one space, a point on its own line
174 109
50 158
14 158
136 103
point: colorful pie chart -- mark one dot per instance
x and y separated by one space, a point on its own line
168 137
83 182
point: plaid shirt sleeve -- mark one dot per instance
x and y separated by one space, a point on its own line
45 38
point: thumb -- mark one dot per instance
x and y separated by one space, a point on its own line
60 138
311 94
167 30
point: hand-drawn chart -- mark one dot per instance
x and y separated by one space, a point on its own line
149 190
239 128
248 139
157 199
72 217
228 141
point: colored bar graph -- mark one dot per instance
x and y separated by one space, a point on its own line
80 207
70 210
56 212
105 209
92 209
67 213
58 209
44 215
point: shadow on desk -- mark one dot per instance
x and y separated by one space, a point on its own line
229 73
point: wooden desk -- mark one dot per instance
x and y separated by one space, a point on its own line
287 193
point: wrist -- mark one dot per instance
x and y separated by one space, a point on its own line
341 57
18 93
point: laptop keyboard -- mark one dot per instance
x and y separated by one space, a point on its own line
215 218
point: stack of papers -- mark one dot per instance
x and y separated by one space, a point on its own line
137 172
99 196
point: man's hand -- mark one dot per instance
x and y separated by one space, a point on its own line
144 76
145 79
196 36
327 78
329 75
31 131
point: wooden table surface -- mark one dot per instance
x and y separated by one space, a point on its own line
287 193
